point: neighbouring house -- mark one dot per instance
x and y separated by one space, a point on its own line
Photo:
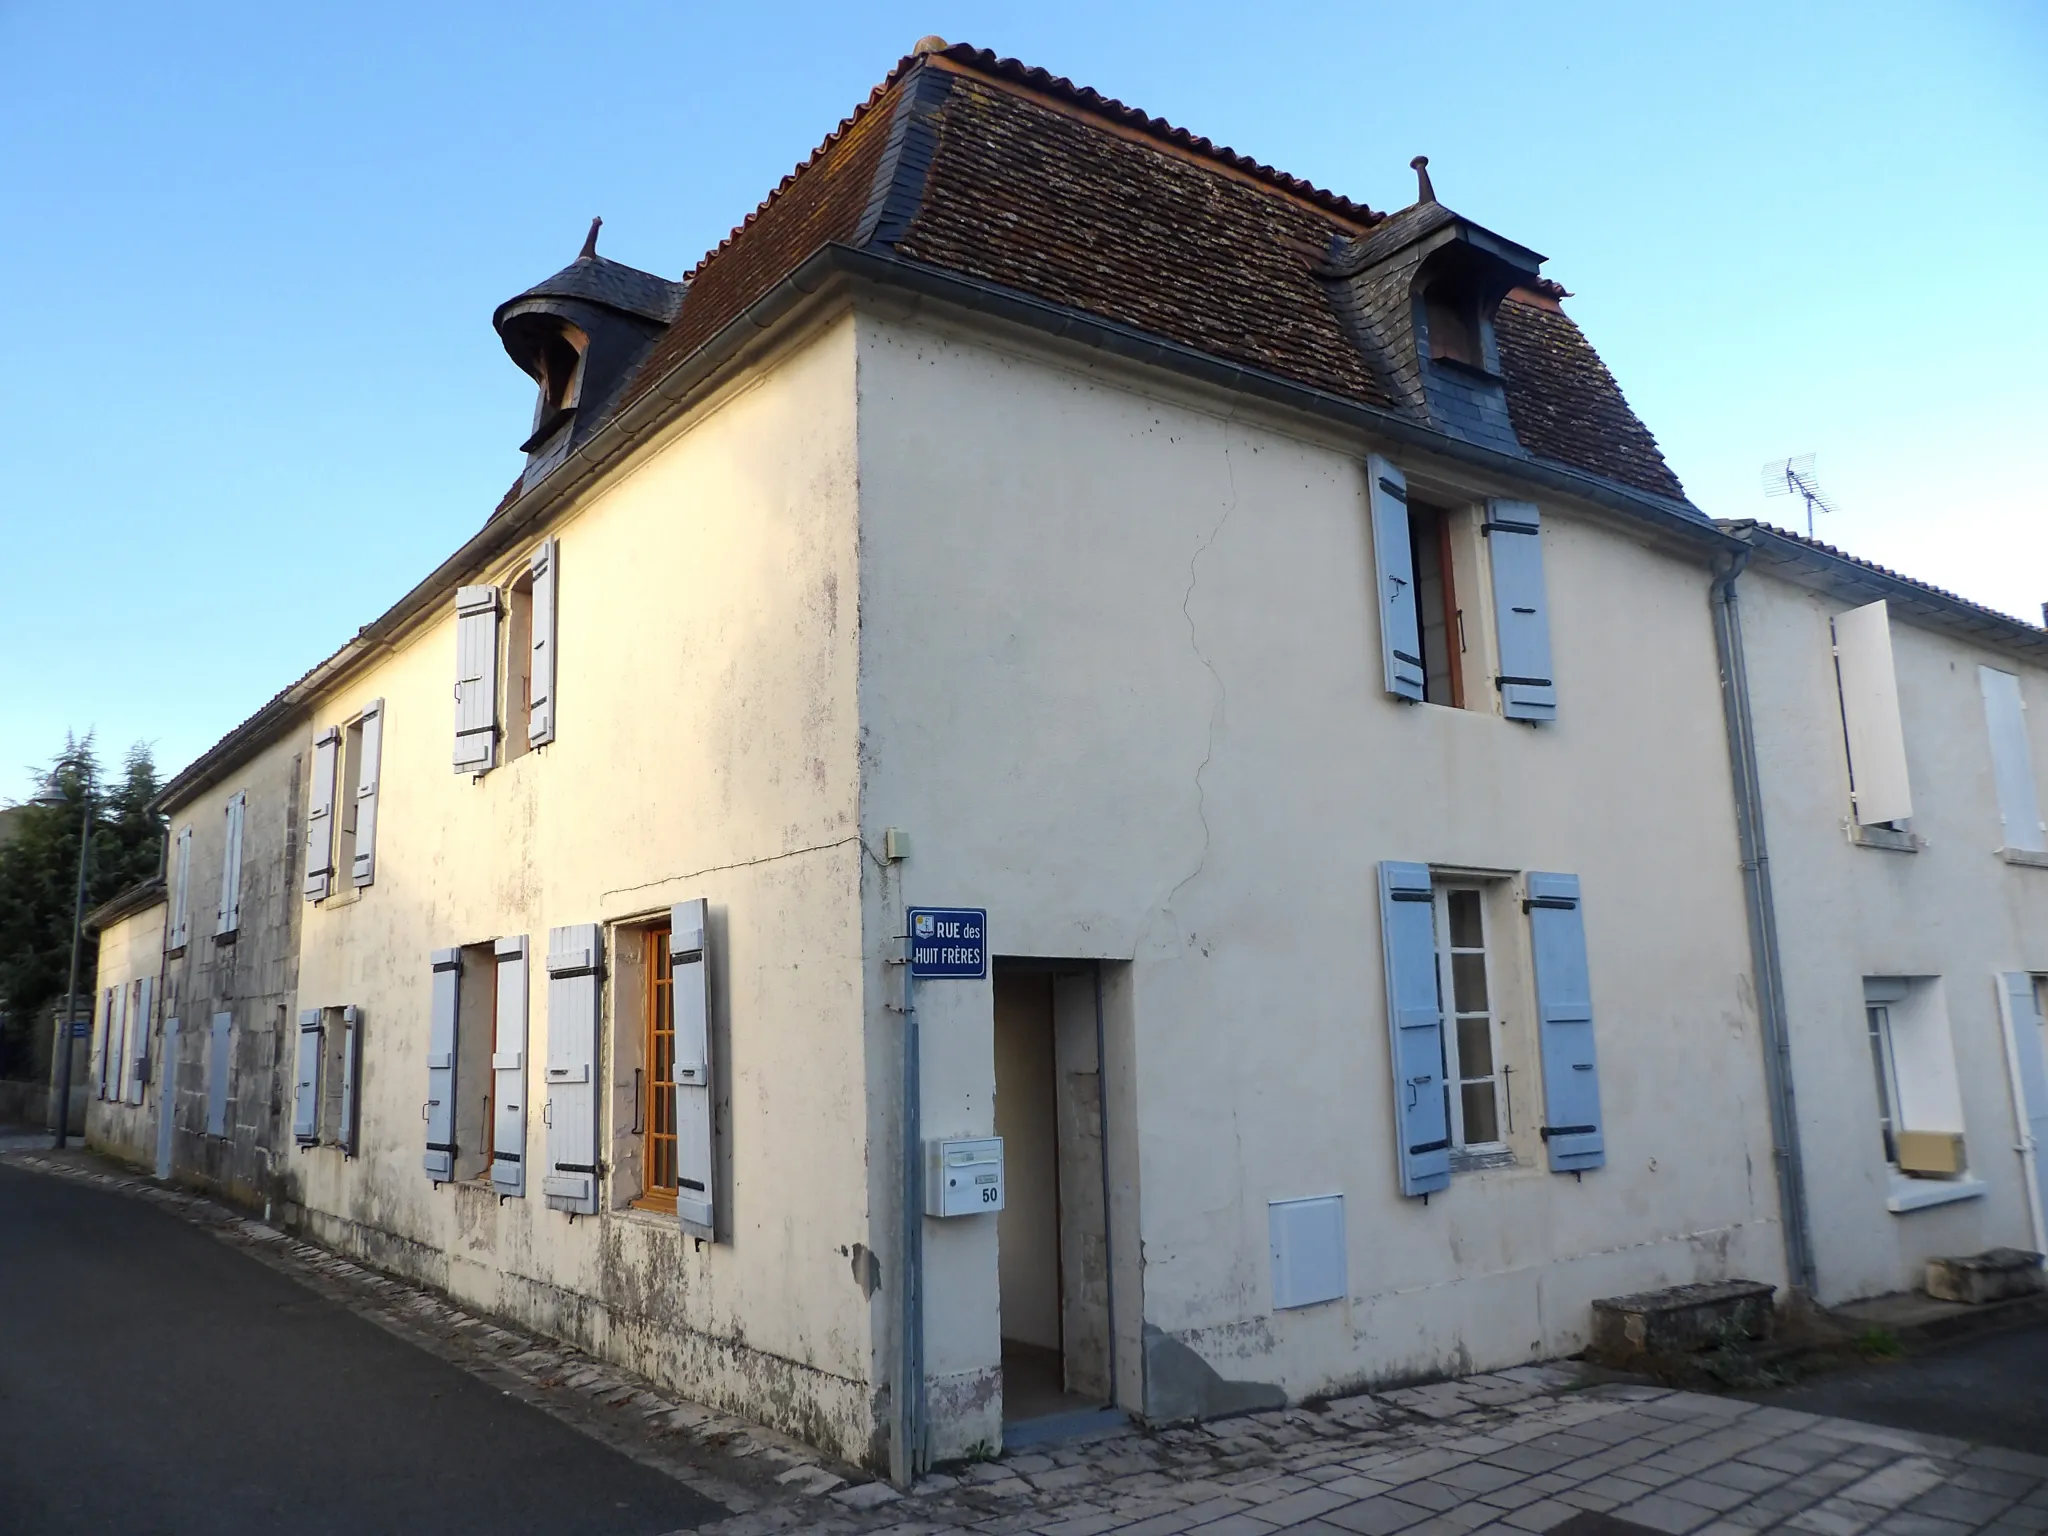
122 1056
1900 740
1267 609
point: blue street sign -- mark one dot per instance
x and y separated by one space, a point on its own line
948 942
81 1029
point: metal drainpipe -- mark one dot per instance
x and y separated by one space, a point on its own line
1763 924
906 1443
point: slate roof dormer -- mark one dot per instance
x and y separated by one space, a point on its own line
580 335
1420 292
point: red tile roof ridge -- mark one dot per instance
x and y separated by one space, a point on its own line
983 61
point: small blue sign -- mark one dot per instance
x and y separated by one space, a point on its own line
81 1029
948 942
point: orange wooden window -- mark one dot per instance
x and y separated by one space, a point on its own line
659 1155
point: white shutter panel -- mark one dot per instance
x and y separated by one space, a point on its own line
231 866
102 1044
117 1043
138 1037
476 679
690 995
1521 611
441 1027
1870 714
1394 568
508 1071
351 1078
365 869
540 720
320 816
167 1101
306 1094
182 851
2026 1056
218 1055
2012 763
570 1183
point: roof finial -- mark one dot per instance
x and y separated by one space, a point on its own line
590 240
933 43
1424 192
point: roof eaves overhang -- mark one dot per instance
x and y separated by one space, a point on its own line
1855 581
139 897
691 374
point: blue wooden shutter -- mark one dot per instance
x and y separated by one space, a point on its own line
306 1092
139 1036
1564 1022
476 679
167 1100
442 1023
372 756
351 1078
1394 567
540 697
320 817
570 1183
508 1071
176 931
1521 613
218 1056
1415 1024
690 992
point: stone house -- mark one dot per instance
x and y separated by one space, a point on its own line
1266 610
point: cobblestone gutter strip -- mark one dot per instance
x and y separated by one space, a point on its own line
1507 1454
743 1466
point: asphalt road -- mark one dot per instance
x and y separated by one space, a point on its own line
1992 1389
155 1380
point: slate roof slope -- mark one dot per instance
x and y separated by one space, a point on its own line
1054 191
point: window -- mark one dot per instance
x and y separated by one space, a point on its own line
1471 1035
518 711
351 775
1886 1066
658 1155
1438 619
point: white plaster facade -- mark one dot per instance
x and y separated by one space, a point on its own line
1939 906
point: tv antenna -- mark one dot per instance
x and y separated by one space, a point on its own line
1795 477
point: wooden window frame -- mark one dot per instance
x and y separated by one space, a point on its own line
657 1044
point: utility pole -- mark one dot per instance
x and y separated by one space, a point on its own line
64 1031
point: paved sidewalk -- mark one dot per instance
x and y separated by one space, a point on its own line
1516 1452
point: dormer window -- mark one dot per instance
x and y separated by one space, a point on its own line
560 372
1452 318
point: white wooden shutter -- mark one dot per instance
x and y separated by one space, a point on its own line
570 1183
117 1043
1521 610
351 1078
476 679
218 1056
1572 1128
2026 1056
231 865
690 994
2012 762
372 756
1415 1026
320 816
306 1093
1869 684
139 1037
540 719
1394 571
442 1023
176 930
508 1071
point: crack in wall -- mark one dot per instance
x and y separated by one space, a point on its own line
1216 708
766 858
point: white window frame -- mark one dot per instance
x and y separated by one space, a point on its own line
1884 1065
1447 1000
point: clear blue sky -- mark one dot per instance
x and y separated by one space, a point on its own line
248 257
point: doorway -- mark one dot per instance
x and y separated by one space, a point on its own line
1052 1245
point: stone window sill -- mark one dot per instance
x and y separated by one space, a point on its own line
1482 1161
1887 838
2024 856
647 1216
1918 1194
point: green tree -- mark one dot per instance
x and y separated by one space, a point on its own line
39 871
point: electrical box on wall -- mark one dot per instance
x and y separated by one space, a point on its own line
963 1178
